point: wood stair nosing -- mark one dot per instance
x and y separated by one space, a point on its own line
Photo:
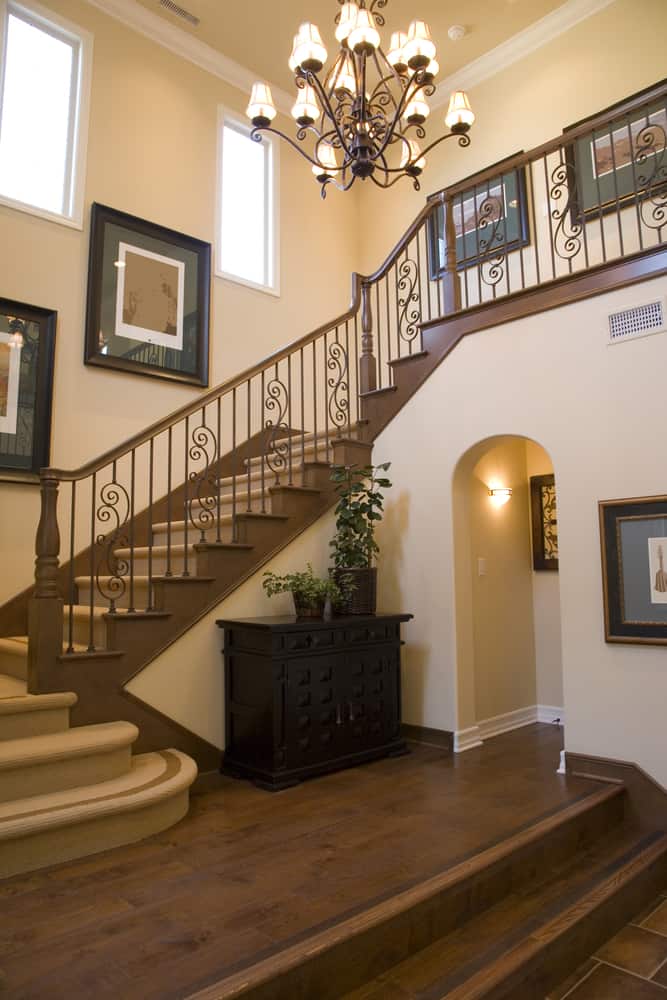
365 945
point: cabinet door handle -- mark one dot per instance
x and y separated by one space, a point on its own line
339 716
351 716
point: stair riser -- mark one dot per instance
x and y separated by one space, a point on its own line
328 973
227 506
140 598
81 627
15 665
159 563
58 844
25 724
194 534
226 488
58 775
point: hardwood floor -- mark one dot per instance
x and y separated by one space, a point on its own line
247 871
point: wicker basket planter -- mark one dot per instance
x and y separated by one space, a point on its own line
363 599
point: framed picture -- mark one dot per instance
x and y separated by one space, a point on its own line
148 298
634 569
27 348
490 219
544 519
617 163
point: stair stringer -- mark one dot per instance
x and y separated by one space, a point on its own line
135 640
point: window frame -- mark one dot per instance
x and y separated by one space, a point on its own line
77 140
272 215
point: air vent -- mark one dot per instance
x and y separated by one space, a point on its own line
180 12
639 321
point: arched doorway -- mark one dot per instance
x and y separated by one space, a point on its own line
509 670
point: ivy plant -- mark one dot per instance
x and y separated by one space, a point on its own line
358 511
309 590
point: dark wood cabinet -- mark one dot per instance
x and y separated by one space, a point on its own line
308 696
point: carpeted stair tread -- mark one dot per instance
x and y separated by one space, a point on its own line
11 688
21 701
151 777
82 740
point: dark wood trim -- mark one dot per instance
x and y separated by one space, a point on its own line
342 956
441 738
540 561
441 336
647 798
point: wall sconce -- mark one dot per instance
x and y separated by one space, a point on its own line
500 495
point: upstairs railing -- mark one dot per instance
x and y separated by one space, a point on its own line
595 194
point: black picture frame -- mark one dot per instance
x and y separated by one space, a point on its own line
624 179
633 536
27 389
544 522
493 234
170 294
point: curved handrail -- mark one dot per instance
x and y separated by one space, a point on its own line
408 235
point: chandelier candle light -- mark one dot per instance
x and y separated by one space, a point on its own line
366 113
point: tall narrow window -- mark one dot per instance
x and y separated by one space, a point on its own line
40 109
246 229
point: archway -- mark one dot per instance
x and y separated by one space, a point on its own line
509 670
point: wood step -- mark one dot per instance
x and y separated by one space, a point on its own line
160 562
54 827
342 957
25 715
276 464
63 760
520 946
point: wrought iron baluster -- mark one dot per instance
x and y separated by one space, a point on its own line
616 199
234 525
218 533
248 436
356 352
114 511
131 607
550 218
347 359
149 596
315 396
169 460
600 212
276 403
337 381
290 480
326 408
263 445
408 301
566 239
186 506
303 405
635 186
650 157
534 221
202 503
91 592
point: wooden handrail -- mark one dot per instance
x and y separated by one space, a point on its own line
70 475
565 139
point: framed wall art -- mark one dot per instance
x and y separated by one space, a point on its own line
490 219
544 517
148 298
27 349
621 162
634 569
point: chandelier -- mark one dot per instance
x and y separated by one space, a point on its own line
363 117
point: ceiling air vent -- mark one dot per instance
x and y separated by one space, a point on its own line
180 12
638 321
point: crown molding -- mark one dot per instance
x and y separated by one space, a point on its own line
518 47
180 42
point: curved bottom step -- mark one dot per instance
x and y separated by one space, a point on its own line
48 829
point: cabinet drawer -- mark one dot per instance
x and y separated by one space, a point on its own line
303 641
371 633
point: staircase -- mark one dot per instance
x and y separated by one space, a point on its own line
69 792
510 922
134 547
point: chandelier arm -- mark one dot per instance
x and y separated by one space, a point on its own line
399 110
395 180
463 137
256 136
384 80
326 105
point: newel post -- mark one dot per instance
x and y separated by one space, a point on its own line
451 287
45 612
367 363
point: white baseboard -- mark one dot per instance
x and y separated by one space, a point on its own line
509 720
549 713
466 739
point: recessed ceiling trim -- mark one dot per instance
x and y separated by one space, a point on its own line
518 47
174 38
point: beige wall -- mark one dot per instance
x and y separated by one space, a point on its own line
546 607
152 153
597 411
502 598
601 60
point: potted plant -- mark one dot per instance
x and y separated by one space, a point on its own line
359 509
313 597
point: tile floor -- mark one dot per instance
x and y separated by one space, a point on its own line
631 966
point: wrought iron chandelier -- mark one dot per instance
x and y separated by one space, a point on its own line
365 114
